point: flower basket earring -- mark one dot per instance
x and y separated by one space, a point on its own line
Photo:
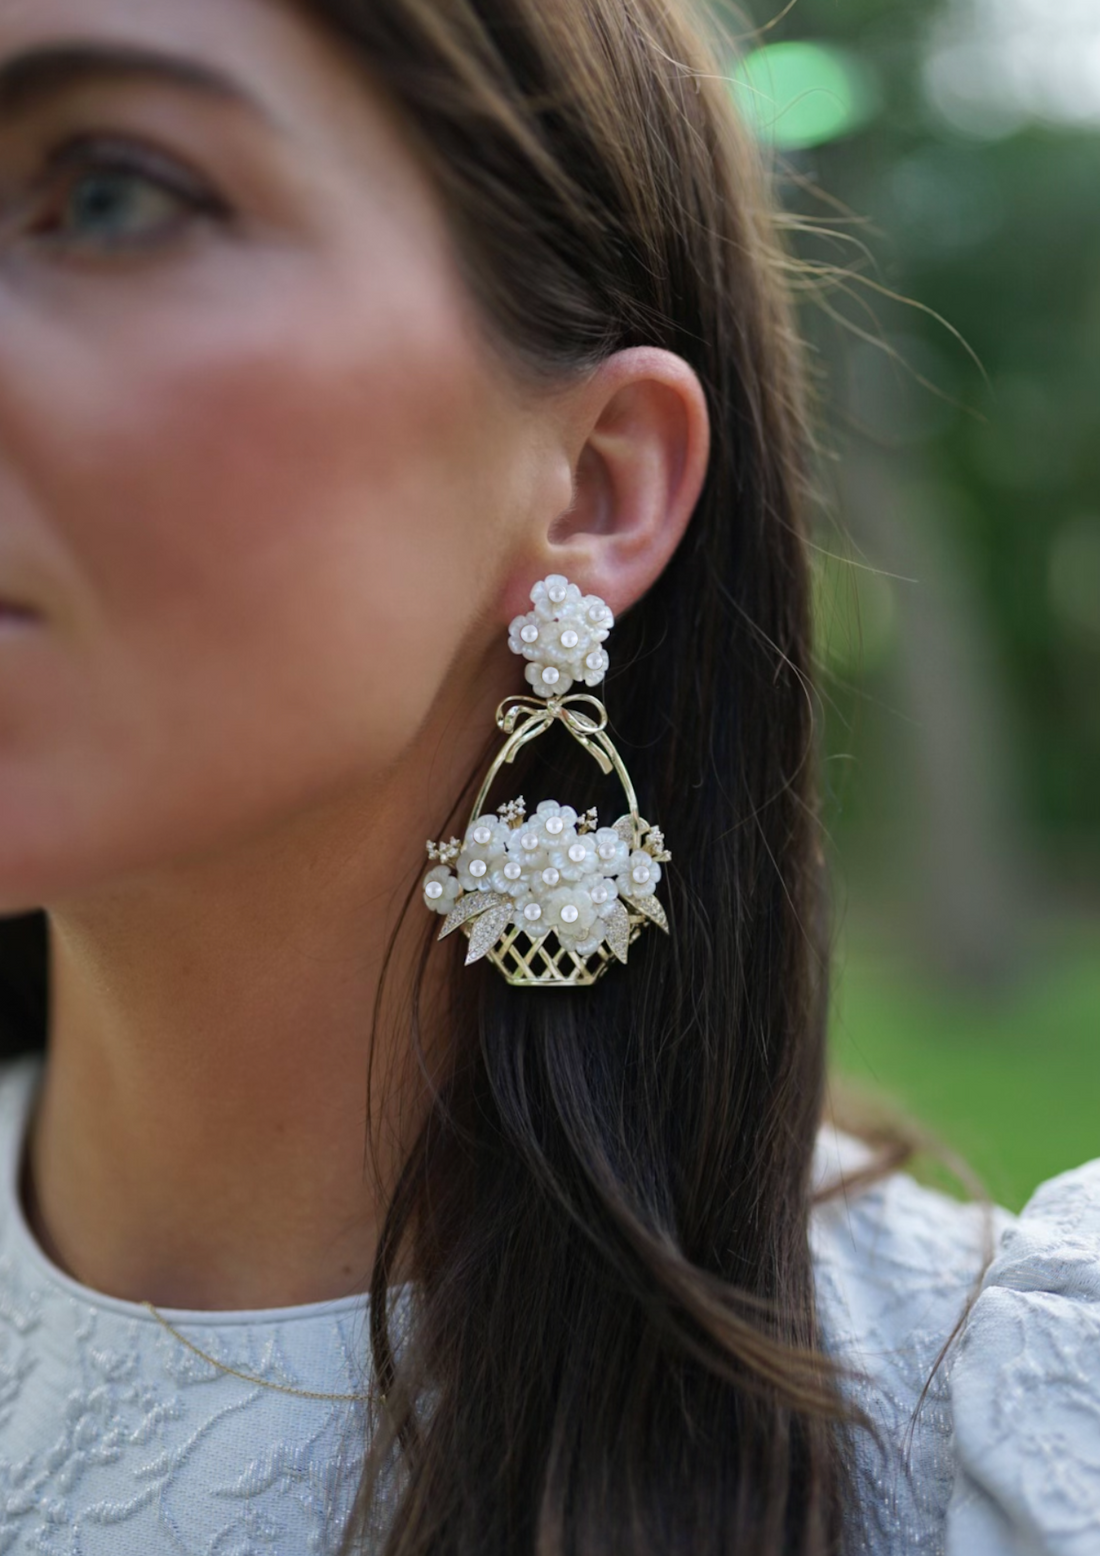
552 899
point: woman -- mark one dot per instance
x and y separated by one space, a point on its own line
327 330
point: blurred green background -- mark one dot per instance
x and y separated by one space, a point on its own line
940 164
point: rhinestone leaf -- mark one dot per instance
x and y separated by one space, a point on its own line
617 931
650 907
487 931
625 828
473 902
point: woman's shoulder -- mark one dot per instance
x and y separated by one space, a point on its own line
895 1263
1002 1452
1025 1384
894 1259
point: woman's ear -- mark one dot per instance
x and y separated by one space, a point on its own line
637 434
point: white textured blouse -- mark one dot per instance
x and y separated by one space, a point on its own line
116 1440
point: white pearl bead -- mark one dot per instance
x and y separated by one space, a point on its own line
599 894
513 870
569 639
595 660
557 594
529 633
596 614
551 876
478 867
434 890
551 675
577 852
570 914
555 826
529 841
482 835
532 912
641 873
607 850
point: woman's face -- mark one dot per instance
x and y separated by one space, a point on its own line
259 474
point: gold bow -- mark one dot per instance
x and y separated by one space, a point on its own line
535 715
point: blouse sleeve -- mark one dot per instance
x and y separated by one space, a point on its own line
1025 1385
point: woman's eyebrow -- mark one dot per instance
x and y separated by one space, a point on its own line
29 78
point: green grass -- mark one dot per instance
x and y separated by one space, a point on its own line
1012 1084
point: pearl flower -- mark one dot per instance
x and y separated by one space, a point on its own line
640 875
596 666
554 595
548 680
509 878
570 913
527 846
554 821
612 853
604 893
440 889
485 846
523 636
598 615
579 859
561 637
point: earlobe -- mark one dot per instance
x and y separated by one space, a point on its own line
641 433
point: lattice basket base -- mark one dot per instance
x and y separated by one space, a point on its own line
542 962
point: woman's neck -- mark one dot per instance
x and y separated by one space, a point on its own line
201 1138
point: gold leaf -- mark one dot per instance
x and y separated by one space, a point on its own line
650 907
625 828
466 906
487 931
617 931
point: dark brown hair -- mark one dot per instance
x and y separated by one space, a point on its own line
606 1212
615 1349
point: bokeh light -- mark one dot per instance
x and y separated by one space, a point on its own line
802 94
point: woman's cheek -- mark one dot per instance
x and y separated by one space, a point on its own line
291 591
280 523
286 482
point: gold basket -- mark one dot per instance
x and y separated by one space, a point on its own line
487 919
543 962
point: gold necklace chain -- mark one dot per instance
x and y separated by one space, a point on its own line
234 1372
246 1377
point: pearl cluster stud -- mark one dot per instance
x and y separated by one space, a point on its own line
561 637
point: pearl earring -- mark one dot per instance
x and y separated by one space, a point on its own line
553 898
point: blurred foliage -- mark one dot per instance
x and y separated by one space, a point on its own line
944 157
1013 1086
992 227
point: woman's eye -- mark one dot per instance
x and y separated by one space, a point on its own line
108 205
103 205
